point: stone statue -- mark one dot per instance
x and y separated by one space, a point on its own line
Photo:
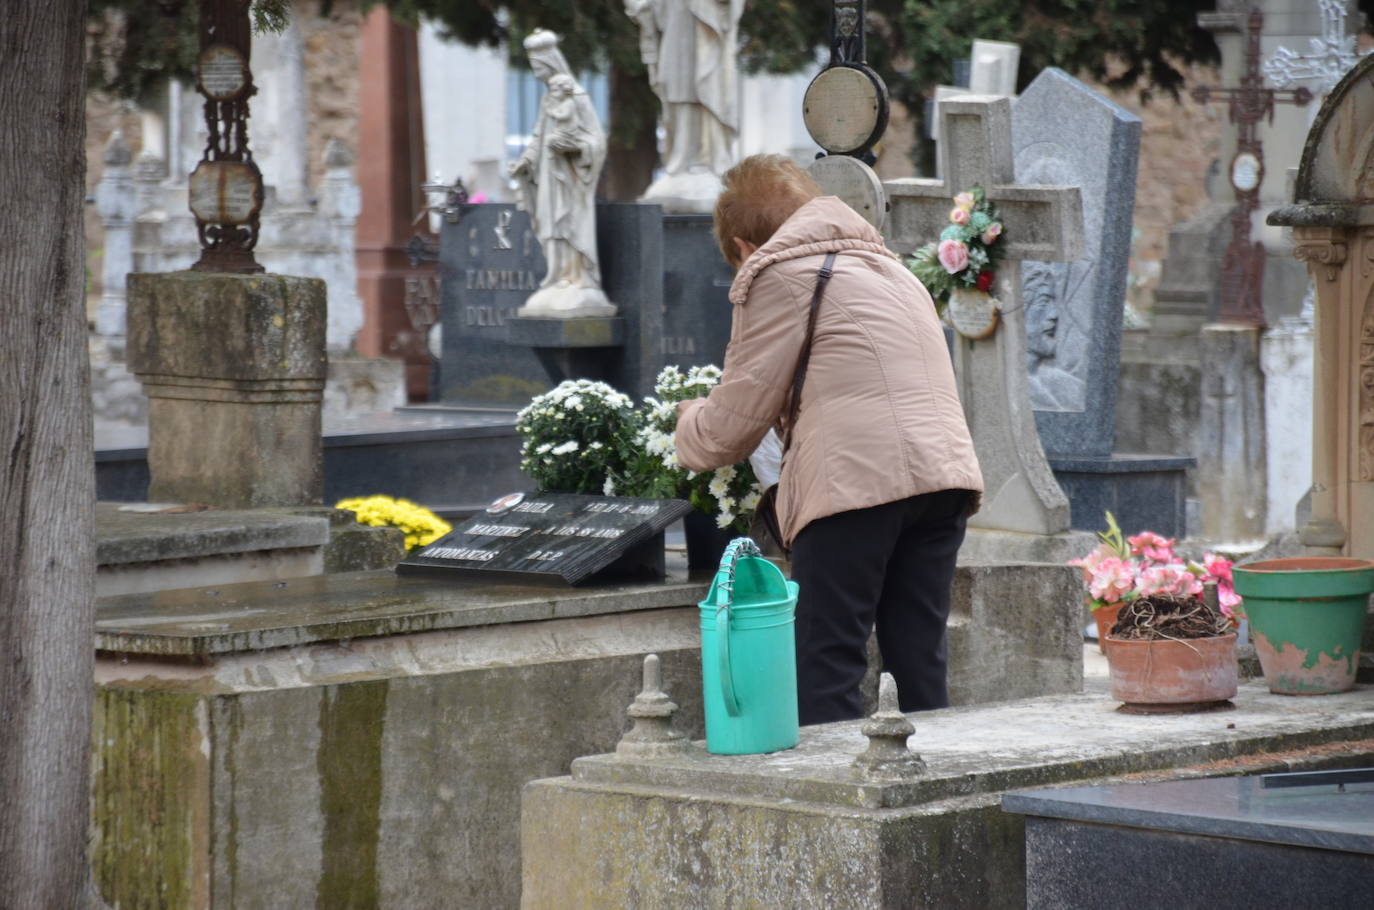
556 179
1052 387
689 49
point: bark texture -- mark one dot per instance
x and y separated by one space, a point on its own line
47 482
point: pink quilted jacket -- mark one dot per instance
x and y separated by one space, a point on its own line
880 418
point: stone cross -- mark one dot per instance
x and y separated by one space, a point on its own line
1332 56
1242 269
1043 224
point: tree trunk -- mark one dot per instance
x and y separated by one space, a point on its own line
632 149
47 480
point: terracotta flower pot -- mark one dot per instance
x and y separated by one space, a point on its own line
1174 675
1105 617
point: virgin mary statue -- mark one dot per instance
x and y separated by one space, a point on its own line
556 178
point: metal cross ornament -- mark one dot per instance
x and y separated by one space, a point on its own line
226 187
1332 56
1242 270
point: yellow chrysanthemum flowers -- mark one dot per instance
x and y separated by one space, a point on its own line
421 526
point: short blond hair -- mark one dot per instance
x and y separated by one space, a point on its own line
761 192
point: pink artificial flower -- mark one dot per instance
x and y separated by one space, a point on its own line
1218 568
1088 564
964 200
958 216
1170 580
992 232
477 198
1151 546
953 255
1111 579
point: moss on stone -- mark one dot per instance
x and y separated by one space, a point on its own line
350 765
149 800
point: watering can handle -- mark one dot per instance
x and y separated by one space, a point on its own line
725 596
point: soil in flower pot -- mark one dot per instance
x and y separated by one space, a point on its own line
1171 655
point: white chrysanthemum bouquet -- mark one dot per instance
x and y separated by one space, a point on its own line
574 437
585 437
652 469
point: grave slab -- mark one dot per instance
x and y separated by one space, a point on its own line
141 551
285 744
1226 842
801 828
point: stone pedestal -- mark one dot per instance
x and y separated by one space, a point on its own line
1231 455
234 368
1144 492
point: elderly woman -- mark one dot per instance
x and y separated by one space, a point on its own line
880 474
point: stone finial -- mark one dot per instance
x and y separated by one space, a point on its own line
652 712
117 153
336 154
887 731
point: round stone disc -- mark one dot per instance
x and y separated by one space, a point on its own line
843 110
855 183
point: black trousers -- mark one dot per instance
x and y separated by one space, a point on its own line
892 563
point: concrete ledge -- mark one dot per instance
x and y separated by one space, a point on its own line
124 537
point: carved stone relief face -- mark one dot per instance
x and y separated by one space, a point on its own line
1039 290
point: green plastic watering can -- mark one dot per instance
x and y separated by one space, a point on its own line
748 655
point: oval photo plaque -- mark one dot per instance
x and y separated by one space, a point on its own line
221 72
225 192
973 314
855 183
844 109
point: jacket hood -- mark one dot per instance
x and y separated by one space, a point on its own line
824 225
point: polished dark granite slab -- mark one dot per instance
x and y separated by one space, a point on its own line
450 459
1319 816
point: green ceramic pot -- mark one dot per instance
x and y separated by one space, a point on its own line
1306 620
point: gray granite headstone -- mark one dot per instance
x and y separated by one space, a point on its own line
1065 133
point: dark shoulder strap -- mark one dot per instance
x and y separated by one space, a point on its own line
803 359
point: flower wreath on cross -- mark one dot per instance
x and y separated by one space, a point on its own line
967 253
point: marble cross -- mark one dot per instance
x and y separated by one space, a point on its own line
1043 224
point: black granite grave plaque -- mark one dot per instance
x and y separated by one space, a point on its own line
554 537
664 273
490 263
